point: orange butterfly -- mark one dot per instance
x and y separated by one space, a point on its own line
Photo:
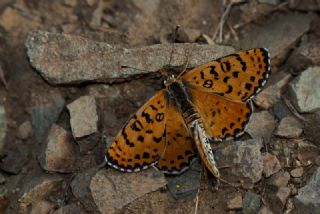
209 103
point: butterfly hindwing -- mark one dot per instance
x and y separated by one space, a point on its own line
141 141
223 118
179 151
238 77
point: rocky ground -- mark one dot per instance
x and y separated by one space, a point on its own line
64 96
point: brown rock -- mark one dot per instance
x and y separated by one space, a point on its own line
83 116
112 190
235 202
289 127
297 172
42 207
283 193
15 159
280 179
59 152
271 164
25 130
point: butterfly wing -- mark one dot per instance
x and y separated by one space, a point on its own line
237 77
222 118
179 151
141 142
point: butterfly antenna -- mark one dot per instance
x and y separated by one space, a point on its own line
173 41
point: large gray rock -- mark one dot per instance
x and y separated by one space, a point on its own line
305 90
244 159
308 198
65 59
112 190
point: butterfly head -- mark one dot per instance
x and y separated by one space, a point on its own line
169 80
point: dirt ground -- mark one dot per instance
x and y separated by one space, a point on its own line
36 128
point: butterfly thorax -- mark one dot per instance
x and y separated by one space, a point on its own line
178 94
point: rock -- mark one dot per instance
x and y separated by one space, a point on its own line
43 207
3 126
278 33
307 152
45 111
3 198
71 3
187 183
261 125
305 90
2 179
265 210
271 95
97 15
281 110
235 203
59 152
187 35
280 179
308 198
282 194
273 2
251 203
289 127
38 188
246 156
112 190
83 116
310 52
69 59
80 189
70 209
25 130
297 172
309 5
271 164
15 159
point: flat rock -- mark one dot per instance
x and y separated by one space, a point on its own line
289 127
112 190
187 183
15 159
43 207
261 125
69 59
271 95
278 33
59 152
38 188
308 198
235 202
297 172
3 126
45 111
305 90
83 116
251 203
311 52
70 209
245 160
25 130
280 179
271 164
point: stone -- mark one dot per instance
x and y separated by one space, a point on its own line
188 34
311 51
80 189
307 5
70 209
71 3
15 159
235 202
281 110
289 127
2 178
45 111
265 210
25 130
187 183
247 158
3 198
112 191
3 126
308 198
261 125
97 15
38 188
43 207
271 164
297 172
251 203
283 193
59 152
83 116
273 2
271 95
305 90
70 59
280 179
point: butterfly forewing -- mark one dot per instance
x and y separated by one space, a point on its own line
179 151
237 77
141 142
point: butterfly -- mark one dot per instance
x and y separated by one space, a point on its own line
206 104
